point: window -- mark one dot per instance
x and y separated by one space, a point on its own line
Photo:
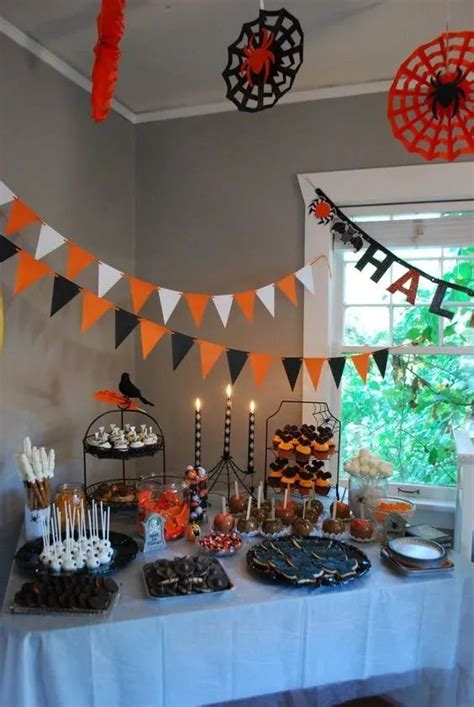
407 417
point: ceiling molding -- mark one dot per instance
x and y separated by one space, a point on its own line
23 40
317 94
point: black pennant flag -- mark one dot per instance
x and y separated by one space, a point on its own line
292 368
7 249
337 368
180 346
63 292
236 361
125 323
381 358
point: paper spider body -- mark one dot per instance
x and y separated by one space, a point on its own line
447 91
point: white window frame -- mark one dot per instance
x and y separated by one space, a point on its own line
349 189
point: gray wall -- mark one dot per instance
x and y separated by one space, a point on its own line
218 209
80 178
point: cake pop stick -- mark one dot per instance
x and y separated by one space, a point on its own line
96 518
236 488
334 510
224 510
90 522
249 506
285 500
304 508
259 495
108 524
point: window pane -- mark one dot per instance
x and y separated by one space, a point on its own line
406 418
366 325
413 253
360 289
426 289
462 273
459 331
459 251
415 324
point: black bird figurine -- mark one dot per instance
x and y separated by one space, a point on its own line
129 390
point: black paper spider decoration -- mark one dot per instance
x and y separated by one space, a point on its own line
264 60
321 210
447 92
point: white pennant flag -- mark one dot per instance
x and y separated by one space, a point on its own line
48 240
266 295
305 276
6 194
168 300
108 276
223 305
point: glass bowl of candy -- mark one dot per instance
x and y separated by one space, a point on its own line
220 544
380 508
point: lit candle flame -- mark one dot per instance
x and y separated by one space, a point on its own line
228 390
252 406
198 405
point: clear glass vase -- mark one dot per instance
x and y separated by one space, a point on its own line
365 490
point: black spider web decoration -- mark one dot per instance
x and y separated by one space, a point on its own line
278 74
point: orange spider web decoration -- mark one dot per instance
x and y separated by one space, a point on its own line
431 99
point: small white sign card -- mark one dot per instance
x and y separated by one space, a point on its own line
154 534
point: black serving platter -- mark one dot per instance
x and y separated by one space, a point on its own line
164 580
91 492
313 562
148 450
125 550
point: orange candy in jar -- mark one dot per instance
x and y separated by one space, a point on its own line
168 502
72 495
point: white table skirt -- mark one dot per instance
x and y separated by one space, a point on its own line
379 634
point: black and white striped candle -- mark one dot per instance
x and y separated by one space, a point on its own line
228 421
197 433
251 451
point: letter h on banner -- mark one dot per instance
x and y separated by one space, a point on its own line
381 266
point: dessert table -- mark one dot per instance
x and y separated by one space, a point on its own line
381 634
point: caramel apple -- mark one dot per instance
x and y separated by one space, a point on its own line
286 515
312 515
316 506
247 525
361 529
224 522
303 526
260 514
237 504
272 526
332 526
343 511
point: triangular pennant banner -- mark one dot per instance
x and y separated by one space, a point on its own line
7 249
210 354
314 366
246 302
180 346
63 292
197 305
77 260
168 300
125 323
6 194
223 305
48 240
381 358
150 334
361 364
260 364
108 277
288 287
28 271
337 368
292 368
236 360
19 217
266 295
93 308
139 292
305 276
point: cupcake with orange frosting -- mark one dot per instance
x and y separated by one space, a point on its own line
320 448
303 450
305 483
289 477
275 473
276 439
285 448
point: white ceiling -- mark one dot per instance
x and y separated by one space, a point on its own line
175 50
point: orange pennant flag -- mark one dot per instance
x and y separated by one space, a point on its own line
209 356
77 260
150 334
20 216
260 364
314 366
197 304
93 307
361 364
246 302
140 292
288 287
28 271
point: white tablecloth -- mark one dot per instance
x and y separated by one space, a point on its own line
381 633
